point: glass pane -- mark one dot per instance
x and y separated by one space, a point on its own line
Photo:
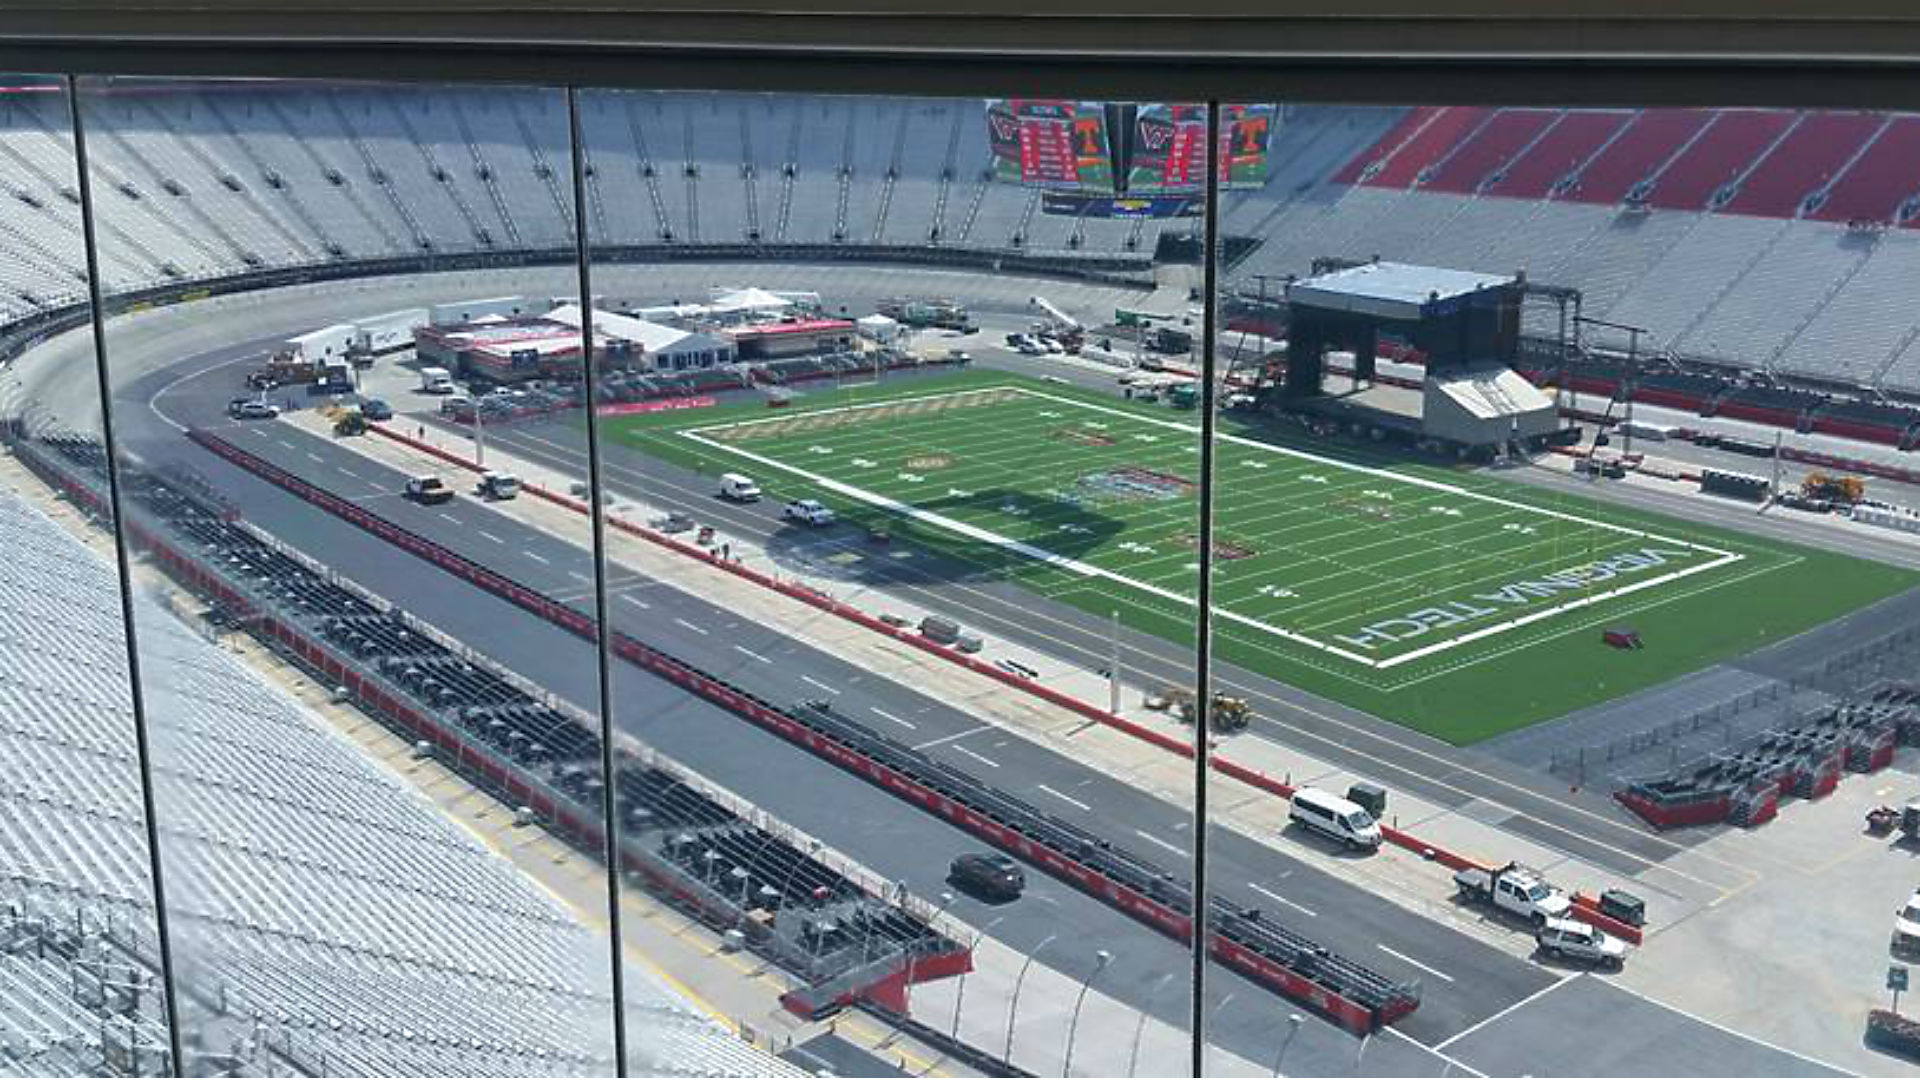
370 674
870 462
1503 389
81 989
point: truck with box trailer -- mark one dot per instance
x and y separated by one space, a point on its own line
386 333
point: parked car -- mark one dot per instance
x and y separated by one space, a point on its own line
1906 928
376 409
252 409
807 512
989 875
429 490
1575 940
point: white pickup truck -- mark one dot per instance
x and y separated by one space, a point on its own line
1516 890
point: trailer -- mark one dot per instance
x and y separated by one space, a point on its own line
316 347
387 333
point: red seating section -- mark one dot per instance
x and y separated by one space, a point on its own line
1653 137
1721 153
1488 149
1873 188
1574 138
1811 155
1864 166
1443 130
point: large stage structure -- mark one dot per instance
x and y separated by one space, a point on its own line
1461 326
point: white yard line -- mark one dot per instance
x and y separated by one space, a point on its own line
1271 895
1085 569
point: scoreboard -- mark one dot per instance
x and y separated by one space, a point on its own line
1121 150
1049 143
1170 147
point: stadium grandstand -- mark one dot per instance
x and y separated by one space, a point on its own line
333 923
1741 239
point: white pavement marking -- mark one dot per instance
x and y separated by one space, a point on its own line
1152 839
885 715
690 626
311 456
1716 1025
742 649
490 536
578 576
1454 1063
1398 955
1528 1000
981 758
818 683
1301 908
1064 798
347 472
635 601
538 558
930 743
453 519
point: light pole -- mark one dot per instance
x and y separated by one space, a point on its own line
1293 1029
1113 667
479 437
1101 959
1013 1005
1140 1027
960 989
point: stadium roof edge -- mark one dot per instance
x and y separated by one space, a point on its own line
1388 51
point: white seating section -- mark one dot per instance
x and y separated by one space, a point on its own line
326 907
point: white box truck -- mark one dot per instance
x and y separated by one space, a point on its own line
387 333
436 380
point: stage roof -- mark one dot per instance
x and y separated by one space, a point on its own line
1387 290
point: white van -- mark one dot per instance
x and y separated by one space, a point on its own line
739 488
1337 818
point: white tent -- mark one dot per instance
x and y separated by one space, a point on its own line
666 347
879 328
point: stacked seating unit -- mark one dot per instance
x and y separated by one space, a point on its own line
1743 784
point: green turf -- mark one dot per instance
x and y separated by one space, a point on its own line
1458 603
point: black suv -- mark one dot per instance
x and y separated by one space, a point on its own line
991 876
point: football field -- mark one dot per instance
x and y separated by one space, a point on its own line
1392 587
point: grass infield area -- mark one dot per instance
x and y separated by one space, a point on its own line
1457 603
